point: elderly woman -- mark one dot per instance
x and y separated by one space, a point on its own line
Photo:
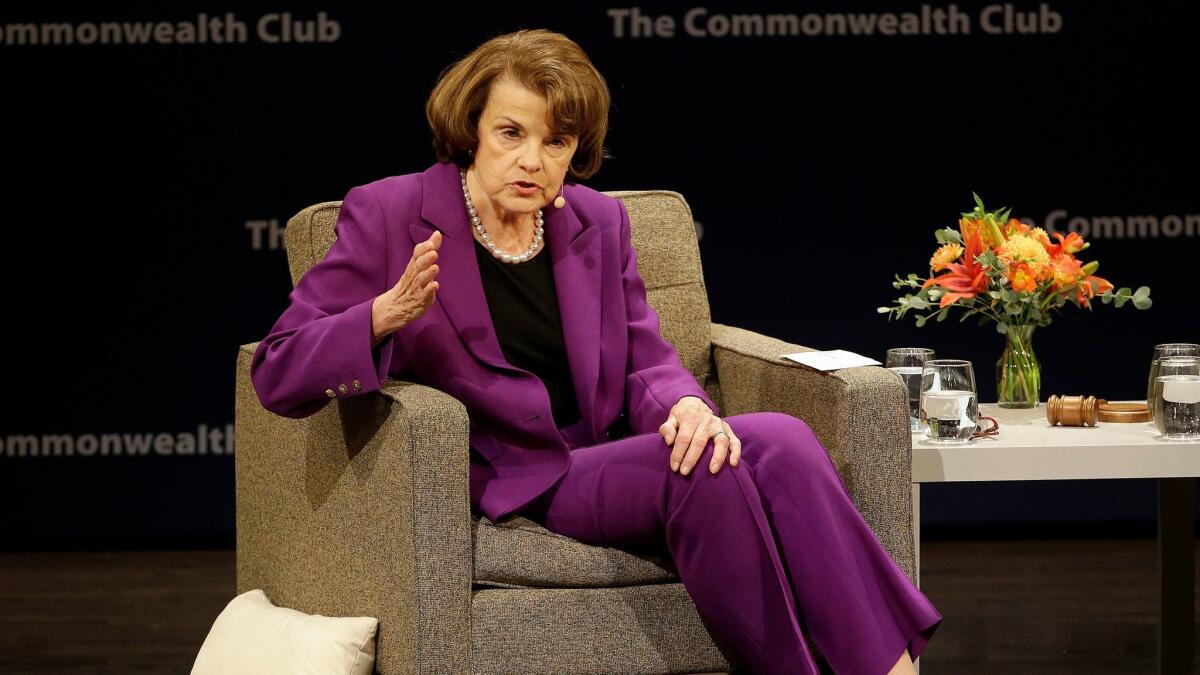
582 416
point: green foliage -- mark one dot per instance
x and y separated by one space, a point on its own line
996 218
1140 298
948 235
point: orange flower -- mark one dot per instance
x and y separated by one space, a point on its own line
1045 271
1015 226
946 254
968 227
990 233
1022 278
966 279
1072 243
1090 288
1066 271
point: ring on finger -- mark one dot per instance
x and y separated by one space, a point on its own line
720 433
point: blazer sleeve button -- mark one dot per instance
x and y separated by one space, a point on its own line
342 388
329 393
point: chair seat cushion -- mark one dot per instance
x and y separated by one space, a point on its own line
631 629
520 553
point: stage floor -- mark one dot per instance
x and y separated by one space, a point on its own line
1014 606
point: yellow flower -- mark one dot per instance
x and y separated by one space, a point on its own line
1023 248
945 255
1040 235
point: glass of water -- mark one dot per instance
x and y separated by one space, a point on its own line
1176 398
907 362
1163 351
949 404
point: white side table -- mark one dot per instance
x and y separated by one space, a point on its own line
1028 448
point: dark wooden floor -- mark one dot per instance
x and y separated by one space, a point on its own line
1046 606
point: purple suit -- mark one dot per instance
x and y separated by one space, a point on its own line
771 550
617 358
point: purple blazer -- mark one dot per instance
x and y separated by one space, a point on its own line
320 348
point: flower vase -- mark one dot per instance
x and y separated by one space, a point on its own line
1018 373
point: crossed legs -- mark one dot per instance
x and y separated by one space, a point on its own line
770 550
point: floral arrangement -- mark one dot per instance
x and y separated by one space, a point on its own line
1000 269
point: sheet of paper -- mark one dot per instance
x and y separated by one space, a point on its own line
833 359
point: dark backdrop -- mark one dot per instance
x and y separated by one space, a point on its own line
147 184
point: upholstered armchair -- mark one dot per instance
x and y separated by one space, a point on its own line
362 509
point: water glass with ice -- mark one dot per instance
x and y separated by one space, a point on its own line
1165 351
1175 398
949 404
907 362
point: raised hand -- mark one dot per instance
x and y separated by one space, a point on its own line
412 295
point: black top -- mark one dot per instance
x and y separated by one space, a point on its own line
524 309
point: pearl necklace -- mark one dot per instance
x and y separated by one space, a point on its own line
487 241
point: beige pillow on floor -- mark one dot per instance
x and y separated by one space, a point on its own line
253 636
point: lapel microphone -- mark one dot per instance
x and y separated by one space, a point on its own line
560 201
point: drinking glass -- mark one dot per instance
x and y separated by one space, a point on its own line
949 403
1165 350
1175 398
907 362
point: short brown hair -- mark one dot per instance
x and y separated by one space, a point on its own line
546 62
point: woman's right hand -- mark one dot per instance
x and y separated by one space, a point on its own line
413 293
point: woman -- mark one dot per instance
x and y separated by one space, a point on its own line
582 416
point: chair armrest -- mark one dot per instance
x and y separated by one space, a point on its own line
859 414
362 509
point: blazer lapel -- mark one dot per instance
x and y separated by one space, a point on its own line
575 259
575 256
460 287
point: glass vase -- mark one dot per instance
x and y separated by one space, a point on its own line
1018 373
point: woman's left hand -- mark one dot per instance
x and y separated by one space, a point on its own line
688 428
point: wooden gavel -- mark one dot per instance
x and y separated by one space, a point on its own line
1080 411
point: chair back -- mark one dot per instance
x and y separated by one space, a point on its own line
668 259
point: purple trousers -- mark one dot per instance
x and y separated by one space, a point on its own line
770 550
